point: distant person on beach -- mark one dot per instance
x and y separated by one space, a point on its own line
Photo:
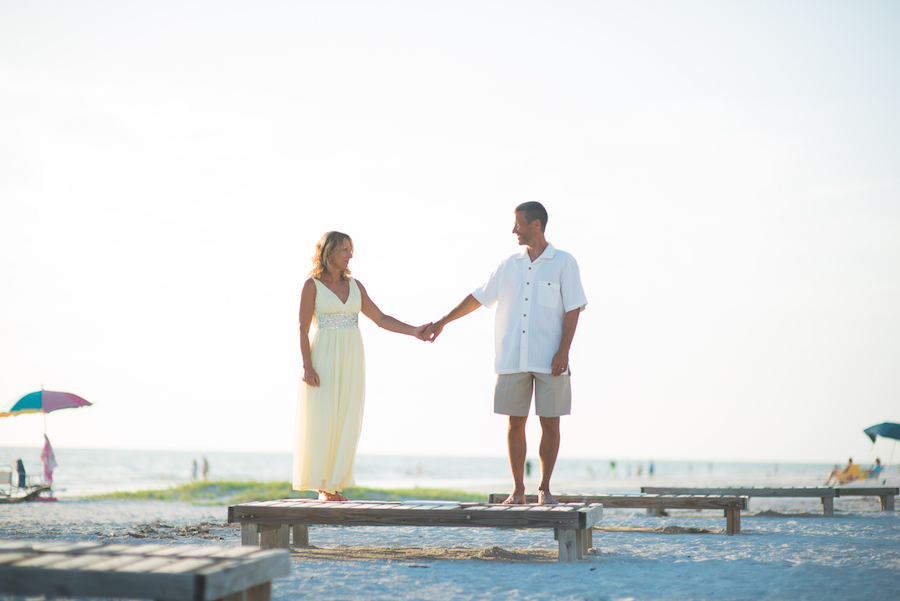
205 469
539 297
332 390
875 470
841 476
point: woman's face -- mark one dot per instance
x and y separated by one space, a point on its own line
341 256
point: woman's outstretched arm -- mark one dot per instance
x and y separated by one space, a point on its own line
391 324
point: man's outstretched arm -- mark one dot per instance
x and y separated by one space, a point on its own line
468 305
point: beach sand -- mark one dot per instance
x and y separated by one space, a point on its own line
786 550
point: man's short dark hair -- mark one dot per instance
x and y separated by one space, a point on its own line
534 210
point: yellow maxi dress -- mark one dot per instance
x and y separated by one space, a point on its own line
329 416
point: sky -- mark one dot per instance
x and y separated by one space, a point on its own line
725 173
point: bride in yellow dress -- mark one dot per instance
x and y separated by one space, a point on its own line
333 387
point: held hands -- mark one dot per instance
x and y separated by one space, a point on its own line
432 332
420 332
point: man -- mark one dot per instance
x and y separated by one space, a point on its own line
539 296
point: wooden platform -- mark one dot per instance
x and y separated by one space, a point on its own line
162 572
885 494
731 505
827 494
266 523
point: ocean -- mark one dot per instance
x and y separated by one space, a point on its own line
93 471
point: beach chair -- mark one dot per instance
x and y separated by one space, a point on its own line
19 478
6 481
851 474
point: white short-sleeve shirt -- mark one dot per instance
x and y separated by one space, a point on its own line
532 301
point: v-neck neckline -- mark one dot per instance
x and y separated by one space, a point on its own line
349 292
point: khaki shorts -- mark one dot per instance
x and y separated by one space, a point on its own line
552 394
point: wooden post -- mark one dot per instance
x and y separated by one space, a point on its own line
274 536
301 535
732 521
828 507
887 502
261 592
249 534
568 546
284 537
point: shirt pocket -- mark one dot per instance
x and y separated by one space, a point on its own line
548 294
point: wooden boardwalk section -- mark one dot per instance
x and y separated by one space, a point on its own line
654 503
885 495
161 572
827 494
268 523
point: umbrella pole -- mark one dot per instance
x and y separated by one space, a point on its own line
889 462
45 423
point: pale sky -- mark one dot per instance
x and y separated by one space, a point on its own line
725 173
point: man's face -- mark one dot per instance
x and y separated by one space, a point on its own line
527 233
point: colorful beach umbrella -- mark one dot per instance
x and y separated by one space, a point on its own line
44 401
885 430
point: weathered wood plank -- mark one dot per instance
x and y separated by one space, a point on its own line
198 573
745 491
866 491
266 566
564 517
645 500
652 502
360 514
71 583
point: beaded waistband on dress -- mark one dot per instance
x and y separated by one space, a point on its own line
333 321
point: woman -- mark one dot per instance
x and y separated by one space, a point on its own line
332 391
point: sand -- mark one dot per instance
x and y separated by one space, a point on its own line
786 550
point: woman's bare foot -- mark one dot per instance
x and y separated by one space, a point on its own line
545 498
331 496
515 498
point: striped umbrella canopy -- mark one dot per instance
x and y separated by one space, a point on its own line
44 401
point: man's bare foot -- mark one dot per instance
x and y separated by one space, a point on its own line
516 498
331 496
545 498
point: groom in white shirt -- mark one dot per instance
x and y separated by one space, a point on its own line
539 297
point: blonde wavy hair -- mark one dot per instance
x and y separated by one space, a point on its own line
325 248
